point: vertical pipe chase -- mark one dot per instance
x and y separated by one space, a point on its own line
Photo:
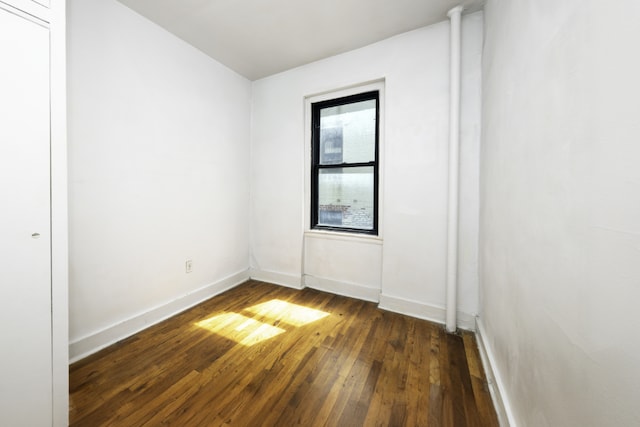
455 16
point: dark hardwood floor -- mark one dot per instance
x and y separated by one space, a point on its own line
265 355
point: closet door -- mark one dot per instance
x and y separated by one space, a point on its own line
25 212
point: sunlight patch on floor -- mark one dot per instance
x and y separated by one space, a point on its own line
293 314
247 331
239 328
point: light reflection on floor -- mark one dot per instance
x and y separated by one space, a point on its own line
247 331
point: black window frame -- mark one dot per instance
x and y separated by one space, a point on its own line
316 167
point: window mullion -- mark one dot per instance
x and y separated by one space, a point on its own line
347 165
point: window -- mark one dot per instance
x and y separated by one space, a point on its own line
344 164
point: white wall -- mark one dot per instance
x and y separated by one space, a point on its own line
411 265
560 213
158 173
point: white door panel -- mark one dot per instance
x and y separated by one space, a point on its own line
25 235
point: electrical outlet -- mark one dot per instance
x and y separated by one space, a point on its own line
188 265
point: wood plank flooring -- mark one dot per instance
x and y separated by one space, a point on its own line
264 355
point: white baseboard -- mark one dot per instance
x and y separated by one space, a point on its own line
283 279
494 379
347 289
90 344
429 312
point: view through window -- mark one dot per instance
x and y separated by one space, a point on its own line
344 181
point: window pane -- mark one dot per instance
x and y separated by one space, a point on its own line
345 197
348 133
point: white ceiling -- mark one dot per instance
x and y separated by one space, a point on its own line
257 38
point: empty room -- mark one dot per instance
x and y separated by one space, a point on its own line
339 213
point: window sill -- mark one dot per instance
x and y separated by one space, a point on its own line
350 237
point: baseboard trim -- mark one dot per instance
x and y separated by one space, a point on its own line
90 344
346 289
494 379
429 312
283 279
